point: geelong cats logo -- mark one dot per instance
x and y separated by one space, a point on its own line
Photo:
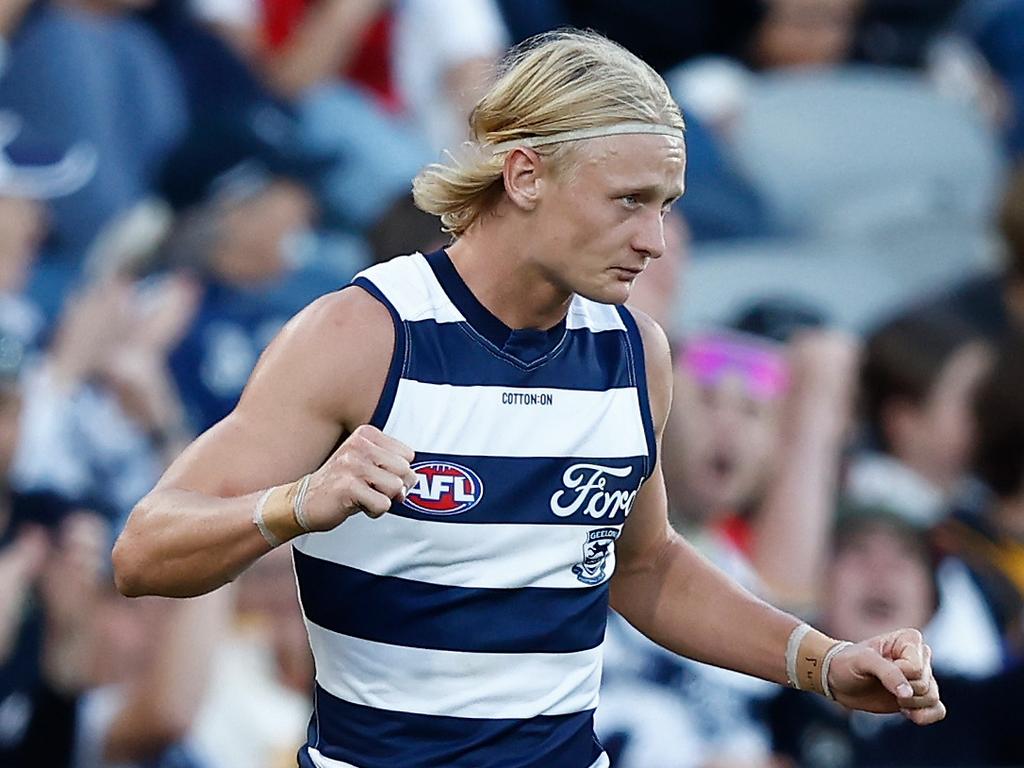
584 490
444 489
596 550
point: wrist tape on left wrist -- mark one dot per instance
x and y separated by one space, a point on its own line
809 655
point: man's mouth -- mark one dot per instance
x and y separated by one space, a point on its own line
628 271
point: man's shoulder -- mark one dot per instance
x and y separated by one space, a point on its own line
657 362
337 351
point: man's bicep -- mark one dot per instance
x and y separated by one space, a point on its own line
647 529
318 379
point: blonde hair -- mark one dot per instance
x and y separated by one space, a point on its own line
558 81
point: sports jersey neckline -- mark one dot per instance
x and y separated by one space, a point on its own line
524 344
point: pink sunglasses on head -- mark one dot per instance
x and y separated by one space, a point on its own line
761 364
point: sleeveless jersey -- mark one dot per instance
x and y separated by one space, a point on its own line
464 628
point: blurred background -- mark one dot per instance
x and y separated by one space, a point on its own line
843 286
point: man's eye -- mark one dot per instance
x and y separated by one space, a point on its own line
630 201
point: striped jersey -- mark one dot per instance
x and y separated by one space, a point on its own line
464 628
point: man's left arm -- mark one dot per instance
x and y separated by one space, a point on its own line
672 594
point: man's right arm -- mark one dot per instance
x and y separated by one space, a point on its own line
317 382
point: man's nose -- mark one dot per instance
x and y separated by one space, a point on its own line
650 238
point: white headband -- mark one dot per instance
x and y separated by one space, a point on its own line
615 129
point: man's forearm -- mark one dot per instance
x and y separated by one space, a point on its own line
181 544
687 605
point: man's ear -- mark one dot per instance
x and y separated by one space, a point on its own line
523 175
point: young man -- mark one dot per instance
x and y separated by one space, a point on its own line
471 429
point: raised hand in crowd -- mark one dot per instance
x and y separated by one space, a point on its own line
94 323
136 369
791 528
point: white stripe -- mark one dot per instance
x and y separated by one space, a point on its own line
409 284
452 683
473 421
584 313
325 762
487 556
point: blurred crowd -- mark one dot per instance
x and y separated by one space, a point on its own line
843 285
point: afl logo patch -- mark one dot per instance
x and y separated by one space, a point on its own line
444 489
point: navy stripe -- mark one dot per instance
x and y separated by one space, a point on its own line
637 343
450 353
386 609
455 288
376 738
398 356
521 489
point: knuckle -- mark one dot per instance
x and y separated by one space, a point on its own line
378 507
366 431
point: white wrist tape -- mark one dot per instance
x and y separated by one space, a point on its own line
792 648
826 664
257 517
300 499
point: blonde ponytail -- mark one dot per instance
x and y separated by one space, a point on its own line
552 83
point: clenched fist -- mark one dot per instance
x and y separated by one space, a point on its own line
888 673
366 474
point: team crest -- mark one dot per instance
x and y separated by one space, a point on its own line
444 489
596 550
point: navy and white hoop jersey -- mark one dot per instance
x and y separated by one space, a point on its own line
464 628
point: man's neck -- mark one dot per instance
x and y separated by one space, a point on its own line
495 265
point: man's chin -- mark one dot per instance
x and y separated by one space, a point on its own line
612 294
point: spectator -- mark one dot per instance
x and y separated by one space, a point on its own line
805 33
31 175
113 87
50 562
754 445
740 403
990 541
439 83
260 696
881 575
101 416
367 157
151 669
236 246
918 378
